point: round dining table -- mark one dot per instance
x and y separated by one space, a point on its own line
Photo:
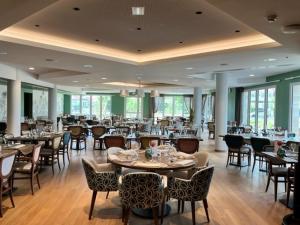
135 159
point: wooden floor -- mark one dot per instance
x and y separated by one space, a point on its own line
236 198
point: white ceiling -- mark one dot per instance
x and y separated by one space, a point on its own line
111 21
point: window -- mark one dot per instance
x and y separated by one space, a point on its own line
39 103
173 106
133 107
295 110
3 102
258 108
60 104
98 106
75 104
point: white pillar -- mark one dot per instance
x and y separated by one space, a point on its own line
198 109
221 111
52 105
14 107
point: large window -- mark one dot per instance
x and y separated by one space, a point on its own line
91 105
3 102
133 107
40 103
295 110
60 104
173 106
258 108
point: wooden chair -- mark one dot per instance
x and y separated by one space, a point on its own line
97 132
25 127
258 145
51 154
78 135
142 190
28 167
114 141
100 177
194 189
64 146
6 177
187 145
237 149
211 130
145 141
163 126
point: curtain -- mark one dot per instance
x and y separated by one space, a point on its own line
238 104
187 103
213 104
204 97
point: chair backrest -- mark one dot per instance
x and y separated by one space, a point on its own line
114 141
98 131
66 138
211 126
6 165
36 155
201 159
76 131
187 145
141 190
234 141
259 143
293 145
25 126
56 142
145 141
200 183
164 123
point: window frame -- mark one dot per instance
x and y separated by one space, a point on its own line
291 104
140 115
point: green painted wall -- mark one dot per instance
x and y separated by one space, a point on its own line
117 104
231 104
67 104
146 106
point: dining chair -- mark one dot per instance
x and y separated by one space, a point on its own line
114 141
237 149
100 177
50 154
24 127
163 126
290 184
258 145
194 189
145 141
187 145
211 130
142 190
78 136
64 146
97 132
28 167
6 178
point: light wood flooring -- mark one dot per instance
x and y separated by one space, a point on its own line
236 198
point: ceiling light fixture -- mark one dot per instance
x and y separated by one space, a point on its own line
189 68
270 60
37 25
75 81
31 68
104 78
251 75
76 9
87 66
154 93
198 12
138 11
124 93
176 80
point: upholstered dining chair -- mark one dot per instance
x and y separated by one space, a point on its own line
187 145
114 141
51 153
237 149
194 189
100 177
258 145
97 132
6 178
78 136
64 146
290 184
142 190
28 167
145 141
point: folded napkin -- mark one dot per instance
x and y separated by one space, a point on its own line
117 158
182 155
150 164
128 152
185 162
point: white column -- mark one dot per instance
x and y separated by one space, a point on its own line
198 109
14 107
52 105
221 111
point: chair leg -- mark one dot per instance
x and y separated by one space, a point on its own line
68 155
64 157
58 163
275 187
254 158
126 216
206 209
92 204
155 215
11 194
38 180
31 185
107 195
268 183
162 212
182 206
1 210
227 159
178 206
52 165
193 212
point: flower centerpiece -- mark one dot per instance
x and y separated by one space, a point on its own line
280 151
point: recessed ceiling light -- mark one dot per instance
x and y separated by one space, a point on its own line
139 50
3 53
251 75
31 68
97 40
138 28
223 64
37 25
49 60
198 12
75 81
189 68
180 42
176 80
103 78
87 66
270 60
76 9
237 31
137 11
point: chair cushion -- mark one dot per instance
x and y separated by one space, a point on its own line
280 171
23 166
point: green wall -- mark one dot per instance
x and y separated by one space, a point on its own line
67 104
117 104
146 106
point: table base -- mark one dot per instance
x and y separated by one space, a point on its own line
290 220
147 213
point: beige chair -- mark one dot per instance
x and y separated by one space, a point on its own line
211 130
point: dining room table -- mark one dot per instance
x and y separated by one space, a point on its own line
35 138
